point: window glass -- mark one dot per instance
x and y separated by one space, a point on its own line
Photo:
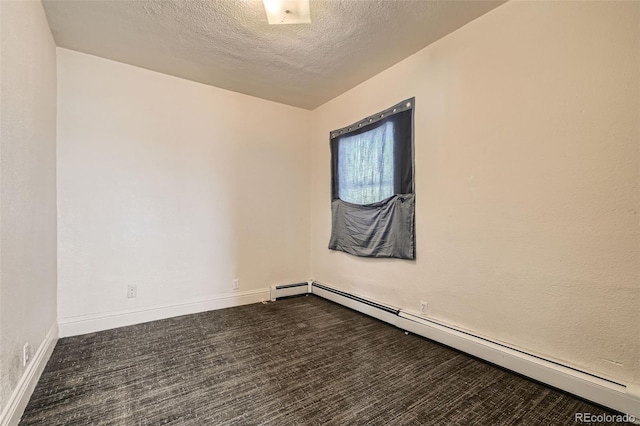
365 166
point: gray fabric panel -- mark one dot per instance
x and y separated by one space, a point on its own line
383 229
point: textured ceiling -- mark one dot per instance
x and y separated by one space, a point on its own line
228 44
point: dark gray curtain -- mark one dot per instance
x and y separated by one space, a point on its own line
373 200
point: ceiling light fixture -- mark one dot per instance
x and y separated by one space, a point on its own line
281 12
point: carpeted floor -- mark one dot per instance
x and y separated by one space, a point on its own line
297 361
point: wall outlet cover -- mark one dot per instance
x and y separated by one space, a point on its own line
132 291
26 354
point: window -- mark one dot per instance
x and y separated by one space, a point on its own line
373 200
365 166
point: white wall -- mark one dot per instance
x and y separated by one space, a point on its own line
27 187
527 140
527 136
175 187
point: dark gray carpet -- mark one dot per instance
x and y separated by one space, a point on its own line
297 361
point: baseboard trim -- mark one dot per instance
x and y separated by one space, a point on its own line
19 399
83 324
620 397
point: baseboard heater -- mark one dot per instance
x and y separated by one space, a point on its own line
620 397
286 290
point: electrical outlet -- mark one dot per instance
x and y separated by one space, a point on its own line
26 354
132 291
423 307
236 284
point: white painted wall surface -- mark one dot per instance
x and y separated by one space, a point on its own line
27 186
527 137
175 187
